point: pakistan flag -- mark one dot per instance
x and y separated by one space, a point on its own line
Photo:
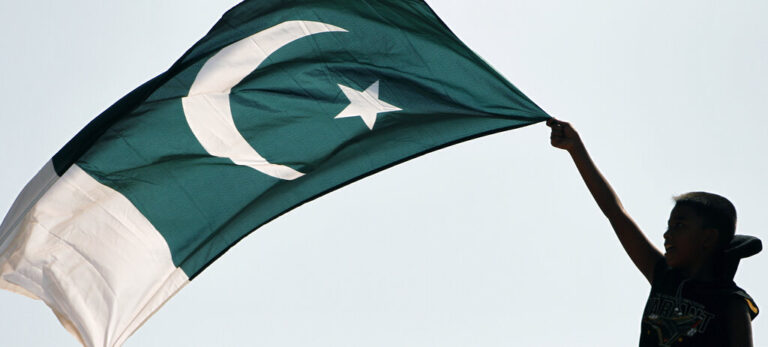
280 103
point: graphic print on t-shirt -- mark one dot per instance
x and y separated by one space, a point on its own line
673 320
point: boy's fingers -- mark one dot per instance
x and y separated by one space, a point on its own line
553 123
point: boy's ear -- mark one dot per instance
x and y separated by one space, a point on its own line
711 237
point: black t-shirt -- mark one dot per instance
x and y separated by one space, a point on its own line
685 312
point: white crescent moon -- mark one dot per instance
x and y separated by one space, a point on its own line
207 107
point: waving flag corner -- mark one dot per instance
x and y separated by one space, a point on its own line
83 249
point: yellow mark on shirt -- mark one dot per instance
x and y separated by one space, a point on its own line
751 306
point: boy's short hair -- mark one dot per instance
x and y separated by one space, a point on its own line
715 211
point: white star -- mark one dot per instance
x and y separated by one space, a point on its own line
365 104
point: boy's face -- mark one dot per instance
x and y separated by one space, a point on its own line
685 238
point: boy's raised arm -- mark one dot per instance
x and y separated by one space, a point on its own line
637 246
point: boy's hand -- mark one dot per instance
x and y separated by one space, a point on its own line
563 135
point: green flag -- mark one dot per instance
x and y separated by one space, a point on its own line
281 102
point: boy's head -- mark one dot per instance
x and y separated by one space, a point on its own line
700 225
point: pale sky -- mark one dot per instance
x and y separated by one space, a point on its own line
493 242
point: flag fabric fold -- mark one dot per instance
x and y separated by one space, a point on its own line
280 103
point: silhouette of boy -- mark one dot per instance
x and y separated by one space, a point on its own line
693 299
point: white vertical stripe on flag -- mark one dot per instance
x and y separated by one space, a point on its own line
89 254
26 199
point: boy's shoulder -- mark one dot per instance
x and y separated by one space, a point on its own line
714 294
741 296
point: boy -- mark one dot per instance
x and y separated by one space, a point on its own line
693 299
